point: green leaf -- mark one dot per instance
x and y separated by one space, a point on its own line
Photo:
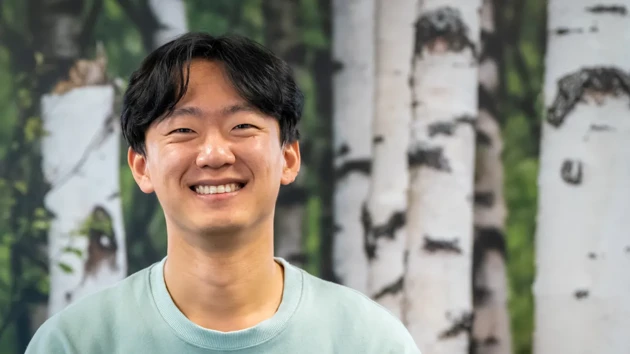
40 225
21 186
65 267
76 251
33 129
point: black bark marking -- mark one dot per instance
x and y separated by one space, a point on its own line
102 245
491 340
592 255
378 139
363 166
113 196
371 232
581 294
594 82
486 239
414 103
445 128
481 294
490 238
337 228
442 30
628 249
459 325
344 149
608 9
430 157
601 127
292 195
465 119
571 172
448 127
433 245
484 199
483 139
561 31
487 101
393 289
336 66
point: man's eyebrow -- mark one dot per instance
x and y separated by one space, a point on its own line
186 111
198 112
236 108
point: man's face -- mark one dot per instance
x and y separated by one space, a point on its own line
215 164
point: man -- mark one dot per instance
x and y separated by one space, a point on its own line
212 128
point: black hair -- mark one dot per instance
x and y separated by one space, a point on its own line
261 78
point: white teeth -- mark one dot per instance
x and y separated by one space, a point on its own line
226 188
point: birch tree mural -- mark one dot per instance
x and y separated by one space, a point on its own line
385 215
582 242
353 82
80 159
441 158
491 325
282 36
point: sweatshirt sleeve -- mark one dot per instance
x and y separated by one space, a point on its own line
49 339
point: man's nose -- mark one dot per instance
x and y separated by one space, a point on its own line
215 153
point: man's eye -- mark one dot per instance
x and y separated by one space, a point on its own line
182 130
243 126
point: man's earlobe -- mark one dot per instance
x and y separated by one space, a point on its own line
138 165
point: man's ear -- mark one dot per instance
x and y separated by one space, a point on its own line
138 165
292 161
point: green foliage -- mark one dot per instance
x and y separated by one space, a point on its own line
522 109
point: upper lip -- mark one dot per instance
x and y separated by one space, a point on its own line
217 182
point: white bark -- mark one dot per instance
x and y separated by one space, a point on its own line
387 200
582 243
171 17
353 83
438 281
491 325
81 161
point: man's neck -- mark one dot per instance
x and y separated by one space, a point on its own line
224 290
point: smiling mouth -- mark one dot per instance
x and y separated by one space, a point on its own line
219 189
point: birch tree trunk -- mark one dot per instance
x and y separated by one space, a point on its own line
353 83
80 157
282 36
491 324
87 245
583 244
441 159
384 218
170 16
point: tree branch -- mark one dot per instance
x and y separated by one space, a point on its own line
144 19
89 23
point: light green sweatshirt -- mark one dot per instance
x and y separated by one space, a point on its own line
138 316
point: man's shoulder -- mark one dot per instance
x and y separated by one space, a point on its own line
340 297
96 312
352 310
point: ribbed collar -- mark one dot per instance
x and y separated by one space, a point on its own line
216 340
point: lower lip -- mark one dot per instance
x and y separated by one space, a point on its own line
218 196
